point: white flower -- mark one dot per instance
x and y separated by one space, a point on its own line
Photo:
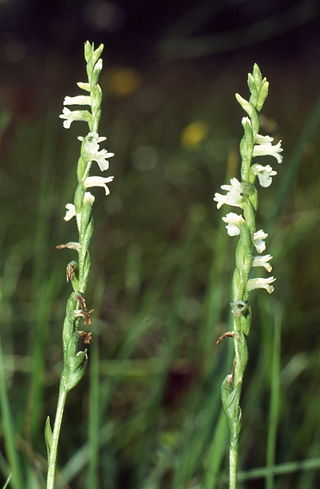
91 147
261 283
73 115
88 198
233 195
266 148
258 240
70 212
262 261
263 139
78 100
264 174
234 222
98 182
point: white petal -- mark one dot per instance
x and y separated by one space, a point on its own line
232 197
78 100
70 212
264 174
262 261
234 222
263 139
258 240
88 198
261 283
98 182
73 115
268 149
91 147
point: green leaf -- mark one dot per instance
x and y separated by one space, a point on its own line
48 435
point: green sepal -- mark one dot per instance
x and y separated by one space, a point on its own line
246 151
97 53
254 198
258 87
251 192
264 90
88 50
82 164
230 396
48 435
85 216
237 285
248 130
245 321
92 55
241 343
78 198
243 256
87 235
250 110
86 268
254 79
74 369
68 324
84 86
95 73
252 176
96 98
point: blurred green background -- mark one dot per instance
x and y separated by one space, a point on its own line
147 414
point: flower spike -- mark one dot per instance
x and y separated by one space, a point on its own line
244 194
77 272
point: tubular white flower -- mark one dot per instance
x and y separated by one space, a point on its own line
88 198
266 148
258 240
262 261
98 182
77 100
261 283
91 146
73 115
234 222
263 139
233 196
70 212
264 174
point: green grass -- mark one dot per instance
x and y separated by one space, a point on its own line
147 414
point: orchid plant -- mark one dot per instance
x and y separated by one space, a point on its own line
77 314
244 195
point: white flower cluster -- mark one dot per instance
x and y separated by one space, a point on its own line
92 152
234 197
234 222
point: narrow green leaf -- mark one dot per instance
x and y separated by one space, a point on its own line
48 434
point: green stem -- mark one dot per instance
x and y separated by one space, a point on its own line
52 461
233 465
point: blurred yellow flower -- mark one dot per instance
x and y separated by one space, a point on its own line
194 133
123 81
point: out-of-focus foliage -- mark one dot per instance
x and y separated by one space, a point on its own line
147 415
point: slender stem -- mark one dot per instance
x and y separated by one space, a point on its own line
55 437
233 465
75 358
